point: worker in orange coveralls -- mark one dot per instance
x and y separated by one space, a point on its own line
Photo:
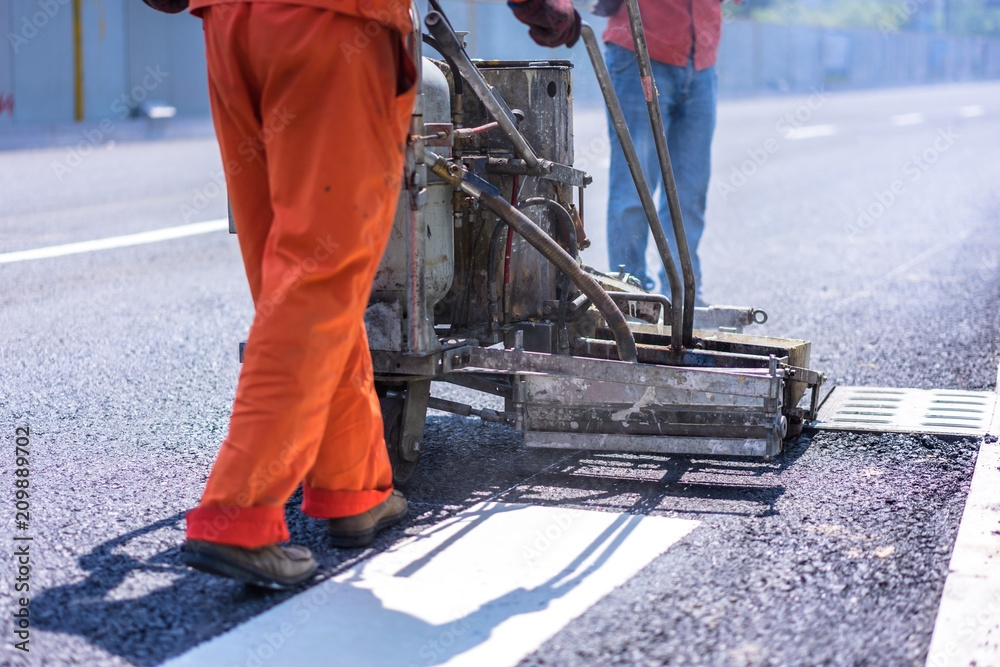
311 101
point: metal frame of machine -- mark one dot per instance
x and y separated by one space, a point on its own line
584 360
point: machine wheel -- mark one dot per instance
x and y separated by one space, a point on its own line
392 422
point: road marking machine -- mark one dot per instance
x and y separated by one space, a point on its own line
482 284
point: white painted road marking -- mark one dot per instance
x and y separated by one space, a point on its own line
141 238
967 629
485 587
972 111
908 119
810 132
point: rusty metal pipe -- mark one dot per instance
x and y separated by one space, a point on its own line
645 195
666 170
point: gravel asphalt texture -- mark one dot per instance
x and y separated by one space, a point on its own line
123 364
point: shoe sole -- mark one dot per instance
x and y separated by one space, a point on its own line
364 538
223 568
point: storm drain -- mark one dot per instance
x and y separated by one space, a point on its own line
887 410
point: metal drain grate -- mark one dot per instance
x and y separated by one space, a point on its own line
886 410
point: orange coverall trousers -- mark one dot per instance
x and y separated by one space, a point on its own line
313 143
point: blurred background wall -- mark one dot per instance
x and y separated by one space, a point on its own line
97 60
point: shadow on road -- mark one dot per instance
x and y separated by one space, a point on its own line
191 608
173 607
139 602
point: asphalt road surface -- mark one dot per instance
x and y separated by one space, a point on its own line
865 222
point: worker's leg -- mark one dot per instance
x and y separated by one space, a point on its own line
689 138
351 472
628 228
332 131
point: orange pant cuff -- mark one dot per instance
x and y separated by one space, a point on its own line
324 504
249 527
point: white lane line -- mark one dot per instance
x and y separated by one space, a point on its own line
972 111
483 588
154 236
810 132
908 119
967 629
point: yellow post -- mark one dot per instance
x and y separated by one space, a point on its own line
77 61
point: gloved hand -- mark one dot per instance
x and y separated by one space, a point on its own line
168 6
553 22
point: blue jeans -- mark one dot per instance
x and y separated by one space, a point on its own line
687 104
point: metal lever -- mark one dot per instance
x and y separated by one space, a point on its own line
420 338
451 48
666 170
645 196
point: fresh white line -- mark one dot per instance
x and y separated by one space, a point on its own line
967 629
908 119
810 132
972 111
483 588
116 241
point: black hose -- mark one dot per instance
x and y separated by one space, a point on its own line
562 215
562 260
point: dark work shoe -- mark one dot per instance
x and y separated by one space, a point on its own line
359 530
275 567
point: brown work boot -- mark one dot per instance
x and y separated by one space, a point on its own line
273 566
359 530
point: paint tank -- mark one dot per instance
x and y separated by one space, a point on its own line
390 282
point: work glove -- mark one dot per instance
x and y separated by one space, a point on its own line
553 22
168 6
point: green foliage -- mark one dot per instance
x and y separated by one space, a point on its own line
957 17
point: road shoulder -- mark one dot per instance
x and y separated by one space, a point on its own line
967 630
